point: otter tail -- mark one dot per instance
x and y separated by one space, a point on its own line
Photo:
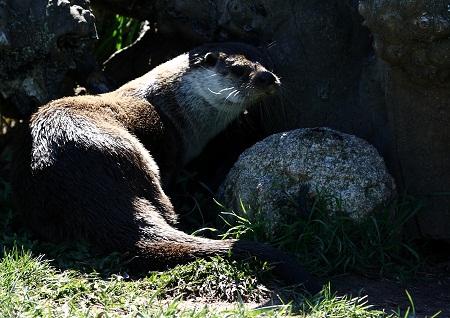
182 248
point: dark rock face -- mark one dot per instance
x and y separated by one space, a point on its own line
142 9
412 37
332 77
147 52
40 42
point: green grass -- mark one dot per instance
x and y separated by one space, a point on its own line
333 243
32 287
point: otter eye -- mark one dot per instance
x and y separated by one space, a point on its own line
239 70
211 58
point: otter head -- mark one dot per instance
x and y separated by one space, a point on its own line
212 85
230 78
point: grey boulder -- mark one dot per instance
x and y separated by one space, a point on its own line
278 173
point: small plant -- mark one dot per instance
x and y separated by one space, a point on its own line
242 225
328 304
117 33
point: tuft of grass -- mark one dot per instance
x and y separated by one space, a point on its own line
328 304
333 243
212 279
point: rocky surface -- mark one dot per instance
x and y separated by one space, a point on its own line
41 41
412 35
284 169
148 51
412 40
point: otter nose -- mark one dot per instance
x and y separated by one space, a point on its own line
265 79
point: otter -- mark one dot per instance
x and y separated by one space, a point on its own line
94 167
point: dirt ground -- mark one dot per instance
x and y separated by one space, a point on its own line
430 292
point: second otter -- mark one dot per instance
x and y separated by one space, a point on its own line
89 167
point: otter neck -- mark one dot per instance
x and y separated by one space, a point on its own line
180 92
204 120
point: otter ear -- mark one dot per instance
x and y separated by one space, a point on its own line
211 58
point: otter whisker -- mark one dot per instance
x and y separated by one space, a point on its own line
226 89
222 90
216 93
229 95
